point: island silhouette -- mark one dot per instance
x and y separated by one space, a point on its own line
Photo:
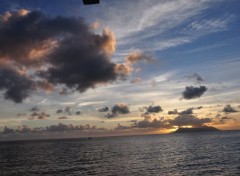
197 129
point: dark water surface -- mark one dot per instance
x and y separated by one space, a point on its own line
216 153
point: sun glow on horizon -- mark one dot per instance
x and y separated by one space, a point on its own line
186 126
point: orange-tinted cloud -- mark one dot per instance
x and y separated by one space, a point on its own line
138 56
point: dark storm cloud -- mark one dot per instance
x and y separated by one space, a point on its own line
22 36
17 87
64 46
83 62
191 92
104 109
229 109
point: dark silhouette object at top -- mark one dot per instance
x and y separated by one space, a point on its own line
89 2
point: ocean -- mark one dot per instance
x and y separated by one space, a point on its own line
213 153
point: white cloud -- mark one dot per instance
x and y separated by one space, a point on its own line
204 26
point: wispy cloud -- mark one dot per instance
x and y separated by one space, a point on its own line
159 25
205 26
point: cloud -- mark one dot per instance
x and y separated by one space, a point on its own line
229 109
186 112
118 109
153 83
110 115
53 47
137 80
44 85
8 15
210 25
161 122
35 114
67 110
150 122
121 127
137 56
21 129
63 118
226 118
21 114
153 109
34 108
155 123
84 57
78 112
22 35
104 109
195 77
222 120
70 127
7 130
39 116
59 111
123 70
52 128
17 87
191 92
126 68
175 111
186 120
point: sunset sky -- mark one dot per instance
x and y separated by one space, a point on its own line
118 68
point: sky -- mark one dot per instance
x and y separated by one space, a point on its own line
118 67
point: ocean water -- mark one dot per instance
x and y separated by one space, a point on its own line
216 153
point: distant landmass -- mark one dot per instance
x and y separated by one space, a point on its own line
196 129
